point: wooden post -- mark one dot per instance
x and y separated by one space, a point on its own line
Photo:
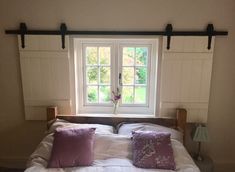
51 113
181 116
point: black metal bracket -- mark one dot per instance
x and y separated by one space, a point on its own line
63 30
210 31
23 31
169 30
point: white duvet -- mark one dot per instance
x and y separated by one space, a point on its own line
112 154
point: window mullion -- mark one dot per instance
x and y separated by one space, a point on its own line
85 76
147 86
98 60
119 69
134 75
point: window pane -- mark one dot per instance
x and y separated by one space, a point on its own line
141 55
92 75
104 94
128 75
104 55
140 95
128 56
92 94
104 75
140 75
91 55
127 95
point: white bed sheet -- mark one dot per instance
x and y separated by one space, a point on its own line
112 154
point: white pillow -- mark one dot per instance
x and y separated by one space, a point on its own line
126 129
102 129
112 146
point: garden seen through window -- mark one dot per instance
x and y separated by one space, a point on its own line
98 81
134 72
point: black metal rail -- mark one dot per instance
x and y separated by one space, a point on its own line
209 32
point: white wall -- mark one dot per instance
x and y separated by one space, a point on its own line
19 137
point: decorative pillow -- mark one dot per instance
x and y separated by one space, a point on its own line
72 147
152 150
126 129
60 123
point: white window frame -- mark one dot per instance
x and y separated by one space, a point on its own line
116 48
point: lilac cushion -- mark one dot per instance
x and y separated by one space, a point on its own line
72 147
152 150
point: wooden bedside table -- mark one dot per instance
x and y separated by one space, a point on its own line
206 165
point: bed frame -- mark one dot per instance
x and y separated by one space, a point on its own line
179 122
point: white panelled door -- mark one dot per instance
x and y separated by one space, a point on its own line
45 75
185 77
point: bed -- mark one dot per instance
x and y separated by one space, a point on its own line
112 142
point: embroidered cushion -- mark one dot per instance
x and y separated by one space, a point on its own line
152 150
72 147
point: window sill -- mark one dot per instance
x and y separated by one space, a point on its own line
118 115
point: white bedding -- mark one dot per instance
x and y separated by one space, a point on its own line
60 123
112 154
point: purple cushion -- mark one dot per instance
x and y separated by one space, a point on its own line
72 147
152 150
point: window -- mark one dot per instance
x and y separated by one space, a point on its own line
97 74
134 63
105 65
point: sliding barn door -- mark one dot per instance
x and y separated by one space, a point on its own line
185 77
45 75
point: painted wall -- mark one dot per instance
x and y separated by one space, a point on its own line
19 137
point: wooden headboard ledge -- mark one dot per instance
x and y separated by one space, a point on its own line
179 122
